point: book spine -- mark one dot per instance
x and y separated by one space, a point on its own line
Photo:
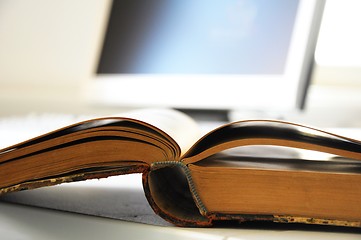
192 187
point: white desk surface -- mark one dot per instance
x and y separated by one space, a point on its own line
24 222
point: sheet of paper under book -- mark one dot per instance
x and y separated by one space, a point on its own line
244 171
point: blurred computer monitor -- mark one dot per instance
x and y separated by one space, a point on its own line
207 54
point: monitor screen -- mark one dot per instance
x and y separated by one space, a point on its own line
206 53
198 37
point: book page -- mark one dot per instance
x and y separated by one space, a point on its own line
179 126
182 128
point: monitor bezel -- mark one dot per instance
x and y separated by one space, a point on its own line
200 91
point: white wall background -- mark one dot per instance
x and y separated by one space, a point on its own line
48 48
49 42
338 52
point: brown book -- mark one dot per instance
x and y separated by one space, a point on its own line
246 171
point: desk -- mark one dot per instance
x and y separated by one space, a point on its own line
24 222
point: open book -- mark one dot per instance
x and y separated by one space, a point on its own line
234 172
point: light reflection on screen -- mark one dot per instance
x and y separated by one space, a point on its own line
198 37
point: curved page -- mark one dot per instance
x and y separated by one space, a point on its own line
270 132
